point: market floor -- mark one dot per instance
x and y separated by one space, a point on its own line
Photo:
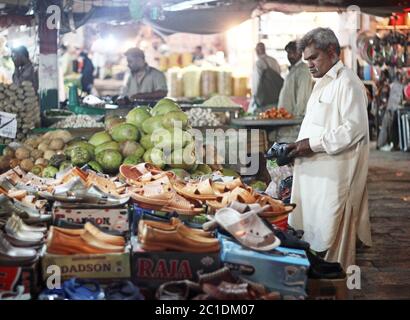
385 267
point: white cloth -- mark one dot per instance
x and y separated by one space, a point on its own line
329 188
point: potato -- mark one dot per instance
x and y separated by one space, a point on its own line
36 154
43 146
28 147
14 163
4 163
22 153
41 162
47 135
26 165
63 134
48 154
32 142
56 144
8 152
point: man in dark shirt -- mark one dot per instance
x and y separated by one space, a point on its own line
87 73
24 69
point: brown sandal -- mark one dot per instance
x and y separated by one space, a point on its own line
228 186
155 194
202 190
277 207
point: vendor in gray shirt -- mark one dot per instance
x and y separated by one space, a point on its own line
143 81
24 69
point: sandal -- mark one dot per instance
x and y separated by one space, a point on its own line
277 207
183 206
78 289
132 172
177 290
202 190
155 194
239 194
247 228
123 290
228 186
106 185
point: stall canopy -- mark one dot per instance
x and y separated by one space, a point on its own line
192 16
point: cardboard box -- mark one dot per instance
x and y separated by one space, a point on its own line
327 289
137 212
89 266
12 277
113 219
151 269
283 270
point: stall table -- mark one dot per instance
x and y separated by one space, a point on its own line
270 126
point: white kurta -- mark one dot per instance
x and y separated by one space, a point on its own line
329 187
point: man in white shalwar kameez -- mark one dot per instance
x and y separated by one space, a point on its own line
332 151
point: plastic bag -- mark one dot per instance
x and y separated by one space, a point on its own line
277 174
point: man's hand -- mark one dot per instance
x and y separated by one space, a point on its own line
299 149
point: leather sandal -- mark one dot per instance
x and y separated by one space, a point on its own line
230 291
178 290
183 206
106 185
202 190
156 194
228 186
277 207
247 228
216 277
239 194
123 290
131 173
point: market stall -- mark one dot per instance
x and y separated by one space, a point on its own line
124 199
185 197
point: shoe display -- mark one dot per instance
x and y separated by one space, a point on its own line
171 237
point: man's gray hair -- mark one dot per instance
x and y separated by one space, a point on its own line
322 38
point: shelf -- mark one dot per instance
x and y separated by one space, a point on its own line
254 122
214 109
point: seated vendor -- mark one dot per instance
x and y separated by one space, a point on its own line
24 69
143 81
